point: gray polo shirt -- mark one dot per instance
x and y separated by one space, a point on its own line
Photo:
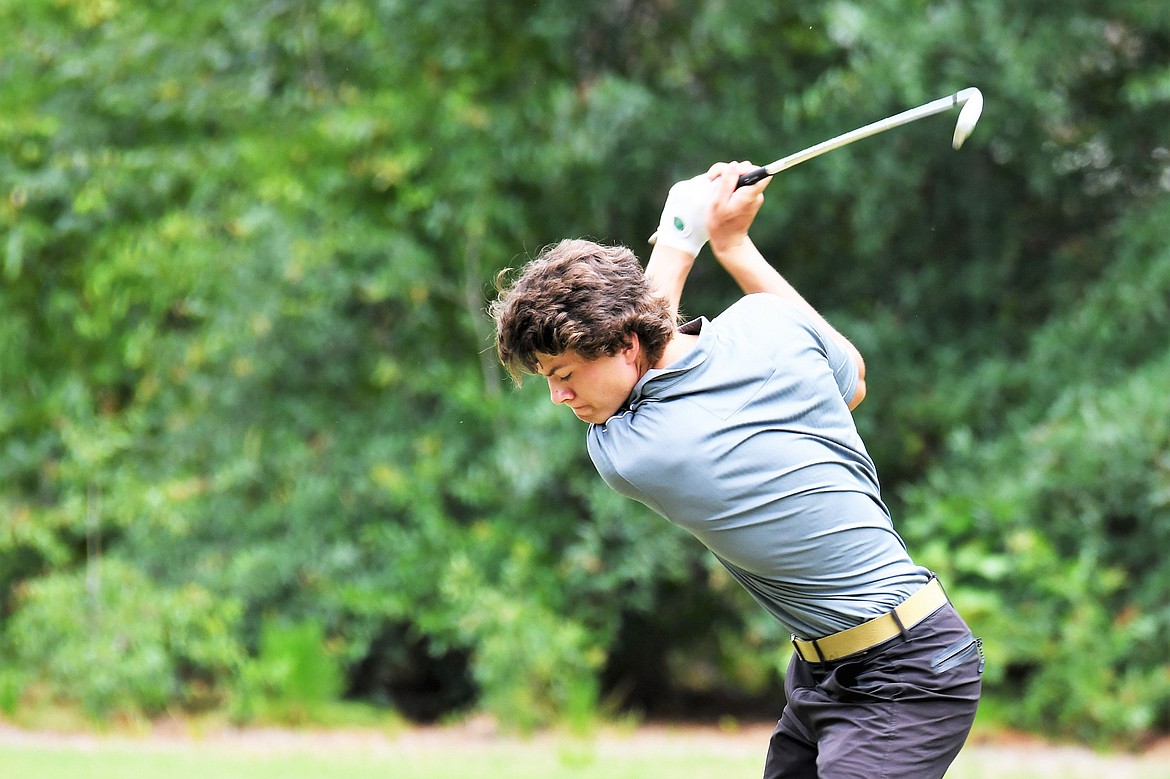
748 443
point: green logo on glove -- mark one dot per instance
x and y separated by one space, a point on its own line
679 224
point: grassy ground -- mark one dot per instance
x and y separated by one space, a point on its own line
465 751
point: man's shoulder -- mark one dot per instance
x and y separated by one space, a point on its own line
639 452
762 307
760 317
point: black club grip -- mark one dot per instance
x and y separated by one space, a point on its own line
751 177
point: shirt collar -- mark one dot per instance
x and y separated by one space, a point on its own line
656 383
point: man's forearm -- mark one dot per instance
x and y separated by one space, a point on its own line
753 273
667 271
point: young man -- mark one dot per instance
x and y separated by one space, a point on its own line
739 429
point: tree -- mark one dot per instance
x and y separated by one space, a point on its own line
247 247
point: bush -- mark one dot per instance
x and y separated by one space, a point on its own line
293 677
534 664
1051 528
111 640
258 360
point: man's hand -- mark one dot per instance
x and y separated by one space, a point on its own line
732 211
693 205
683 224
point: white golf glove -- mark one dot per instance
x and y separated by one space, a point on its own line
683 224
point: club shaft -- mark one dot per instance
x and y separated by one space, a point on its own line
890 122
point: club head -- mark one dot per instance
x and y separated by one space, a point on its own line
972 100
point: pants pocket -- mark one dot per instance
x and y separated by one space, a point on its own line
958 653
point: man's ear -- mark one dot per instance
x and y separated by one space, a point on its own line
632 350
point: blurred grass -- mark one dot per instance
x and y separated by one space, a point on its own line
458 753
514 761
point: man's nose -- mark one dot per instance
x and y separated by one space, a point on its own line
559 394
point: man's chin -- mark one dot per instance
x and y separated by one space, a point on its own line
591 415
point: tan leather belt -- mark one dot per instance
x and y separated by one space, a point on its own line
876 631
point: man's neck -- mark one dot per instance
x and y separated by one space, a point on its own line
679 346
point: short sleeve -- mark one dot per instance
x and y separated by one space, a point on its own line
844 367
778 315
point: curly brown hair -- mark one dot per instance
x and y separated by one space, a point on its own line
581 296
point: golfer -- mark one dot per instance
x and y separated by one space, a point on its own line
739 430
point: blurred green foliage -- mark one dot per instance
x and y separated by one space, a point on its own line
293 677
111 640
245 250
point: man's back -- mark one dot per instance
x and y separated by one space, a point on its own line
749 444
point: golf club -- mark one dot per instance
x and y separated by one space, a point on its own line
971 100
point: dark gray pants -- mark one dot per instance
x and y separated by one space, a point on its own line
901 710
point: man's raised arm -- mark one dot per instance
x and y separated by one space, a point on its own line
681 234
730 215
667 271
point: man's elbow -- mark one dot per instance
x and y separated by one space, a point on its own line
859 392
858 395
